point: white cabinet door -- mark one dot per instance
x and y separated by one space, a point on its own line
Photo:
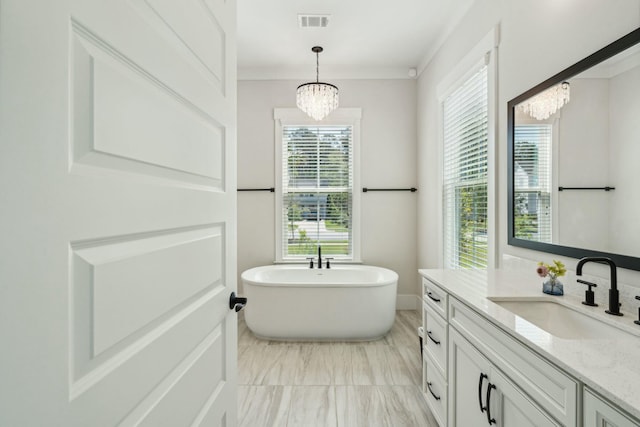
117 184
468 382
598 413
510 407
480 395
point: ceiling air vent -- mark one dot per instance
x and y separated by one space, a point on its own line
313 21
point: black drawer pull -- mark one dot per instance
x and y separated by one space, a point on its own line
489 419
432 393
432 339
431 296
482 377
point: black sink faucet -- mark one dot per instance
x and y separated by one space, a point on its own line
319 256
614 295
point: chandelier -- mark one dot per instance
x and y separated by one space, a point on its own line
545 104
317 99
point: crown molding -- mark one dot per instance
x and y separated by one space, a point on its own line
327 73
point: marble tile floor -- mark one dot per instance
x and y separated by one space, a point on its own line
305 384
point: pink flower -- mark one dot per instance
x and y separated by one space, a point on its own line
542 270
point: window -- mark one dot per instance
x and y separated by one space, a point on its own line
316 201
465 173
532 182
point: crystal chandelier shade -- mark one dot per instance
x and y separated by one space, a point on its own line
317 99
545 104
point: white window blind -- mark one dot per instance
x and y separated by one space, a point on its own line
532 182
465 178
317 191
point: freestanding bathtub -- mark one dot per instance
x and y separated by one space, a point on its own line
343 303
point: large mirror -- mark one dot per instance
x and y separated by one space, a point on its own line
574 159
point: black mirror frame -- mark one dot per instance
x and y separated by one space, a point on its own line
624 261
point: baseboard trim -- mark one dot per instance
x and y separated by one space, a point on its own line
407 302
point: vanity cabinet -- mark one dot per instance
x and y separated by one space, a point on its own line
482 395
553 390
600 413
475 374
497 368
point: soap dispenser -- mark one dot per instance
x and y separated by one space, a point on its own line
589 294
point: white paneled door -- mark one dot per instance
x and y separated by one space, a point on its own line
117 212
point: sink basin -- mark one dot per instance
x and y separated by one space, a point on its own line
560 320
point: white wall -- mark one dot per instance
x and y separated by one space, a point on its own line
388 153
538 39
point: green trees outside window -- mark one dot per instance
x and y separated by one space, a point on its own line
317 188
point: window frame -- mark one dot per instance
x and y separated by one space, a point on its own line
465 171
339 117
484 53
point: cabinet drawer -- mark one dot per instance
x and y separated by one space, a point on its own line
435 392
435 297
551 388
435 339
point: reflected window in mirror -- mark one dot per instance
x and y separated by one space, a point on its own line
532 182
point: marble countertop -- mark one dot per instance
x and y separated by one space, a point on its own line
609 366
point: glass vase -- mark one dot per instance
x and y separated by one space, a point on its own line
552 287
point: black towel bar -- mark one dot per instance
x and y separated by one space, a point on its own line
586 188
272 190
412 189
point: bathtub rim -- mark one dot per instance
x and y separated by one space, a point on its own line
385 281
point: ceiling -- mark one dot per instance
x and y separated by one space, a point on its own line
364 38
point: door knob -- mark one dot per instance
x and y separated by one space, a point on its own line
236 302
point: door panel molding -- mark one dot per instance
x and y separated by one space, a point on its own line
169 403
126 119
129 282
